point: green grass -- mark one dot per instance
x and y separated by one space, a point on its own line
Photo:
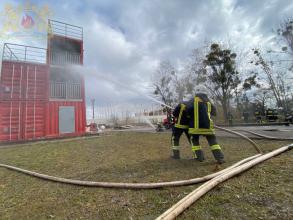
264 192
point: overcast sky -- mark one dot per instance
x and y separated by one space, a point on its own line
126 39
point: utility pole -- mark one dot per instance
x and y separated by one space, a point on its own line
93 105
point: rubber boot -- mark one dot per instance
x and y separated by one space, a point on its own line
198 155
176 154
219 156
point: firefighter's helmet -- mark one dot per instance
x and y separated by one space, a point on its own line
201 89
187 97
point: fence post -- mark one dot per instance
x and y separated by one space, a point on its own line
25 48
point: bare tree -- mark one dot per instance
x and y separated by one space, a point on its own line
195 70
165 83
274 79
285 32
284 89
263 96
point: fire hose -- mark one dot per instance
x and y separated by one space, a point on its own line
241 135
267 137
184 203
214 179
127 185
138 185
211 180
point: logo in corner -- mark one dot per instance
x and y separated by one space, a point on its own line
24 20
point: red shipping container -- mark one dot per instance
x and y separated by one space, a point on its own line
22 120
36 101
54 119
24 81
58 41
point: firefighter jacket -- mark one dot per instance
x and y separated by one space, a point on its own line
199 112
258 114
269 112
181 117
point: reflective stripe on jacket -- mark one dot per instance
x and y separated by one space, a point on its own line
181 117
200 117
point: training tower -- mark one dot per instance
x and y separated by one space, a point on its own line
41 94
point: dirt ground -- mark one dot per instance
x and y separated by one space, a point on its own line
264 192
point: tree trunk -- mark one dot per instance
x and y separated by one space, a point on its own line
225 109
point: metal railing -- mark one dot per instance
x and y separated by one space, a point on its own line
64 57
65 90
22 53
64 29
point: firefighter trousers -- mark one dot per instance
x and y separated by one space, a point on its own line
176 134
212 140
215 147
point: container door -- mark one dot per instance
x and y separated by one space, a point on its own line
66 119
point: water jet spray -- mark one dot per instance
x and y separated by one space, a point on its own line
81 69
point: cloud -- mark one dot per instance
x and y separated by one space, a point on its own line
126 40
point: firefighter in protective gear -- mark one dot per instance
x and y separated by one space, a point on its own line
258 113
180 127
199 112
271 115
